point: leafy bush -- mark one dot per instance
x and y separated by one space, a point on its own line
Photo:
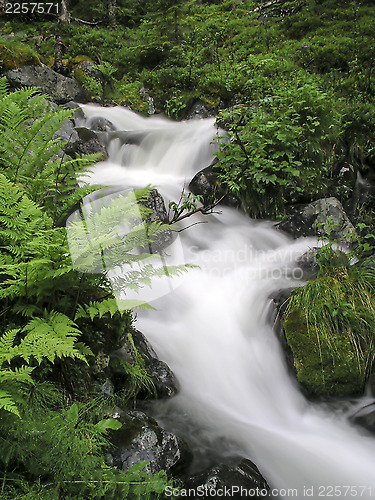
285 139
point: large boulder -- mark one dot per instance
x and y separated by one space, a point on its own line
238 479
325 217
112 374
206 184
325 367
88 142
60 88
142 440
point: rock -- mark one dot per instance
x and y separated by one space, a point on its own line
60 88
16 55
142 440
148 99
155 202
365 417
205 183
165 382
78 114
67 133
322 218
241 477
279 303
197 112
308 263
89 67
88 142
326 367
99 124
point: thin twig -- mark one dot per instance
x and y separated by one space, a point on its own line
203 210
187 227
86 22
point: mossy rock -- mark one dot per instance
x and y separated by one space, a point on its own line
325 367
79 75
210 102
14 55
81 58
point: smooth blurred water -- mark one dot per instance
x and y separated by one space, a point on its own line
213 328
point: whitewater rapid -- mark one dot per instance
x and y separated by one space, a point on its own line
211 326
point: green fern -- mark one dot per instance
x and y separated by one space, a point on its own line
51 337
51 447
32 153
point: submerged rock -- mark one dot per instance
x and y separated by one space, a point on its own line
59 87
325 217
240 479
365 417
142 440
100 124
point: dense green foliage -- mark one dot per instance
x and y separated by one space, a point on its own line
55 317
295 78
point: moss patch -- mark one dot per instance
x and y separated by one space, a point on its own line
14 55
325 367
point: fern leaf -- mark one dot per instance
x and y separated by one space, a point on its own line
7 403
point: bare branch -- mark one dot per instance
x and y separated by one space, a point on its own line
203 210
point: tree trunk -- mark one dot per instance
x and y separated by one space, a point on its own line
64 14
57 66
112 12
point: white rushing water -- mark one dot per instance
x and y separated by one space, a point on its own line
213 329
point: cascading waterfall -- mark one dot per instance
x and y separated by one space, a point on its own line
213 328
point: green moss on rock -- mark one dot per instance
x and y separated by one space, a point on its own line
325 367
14 55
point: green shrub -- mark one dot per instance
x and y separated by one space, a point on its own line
286 138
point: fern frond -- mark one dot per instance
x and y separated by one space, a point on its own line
7 403
51 337
6 345
20 375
